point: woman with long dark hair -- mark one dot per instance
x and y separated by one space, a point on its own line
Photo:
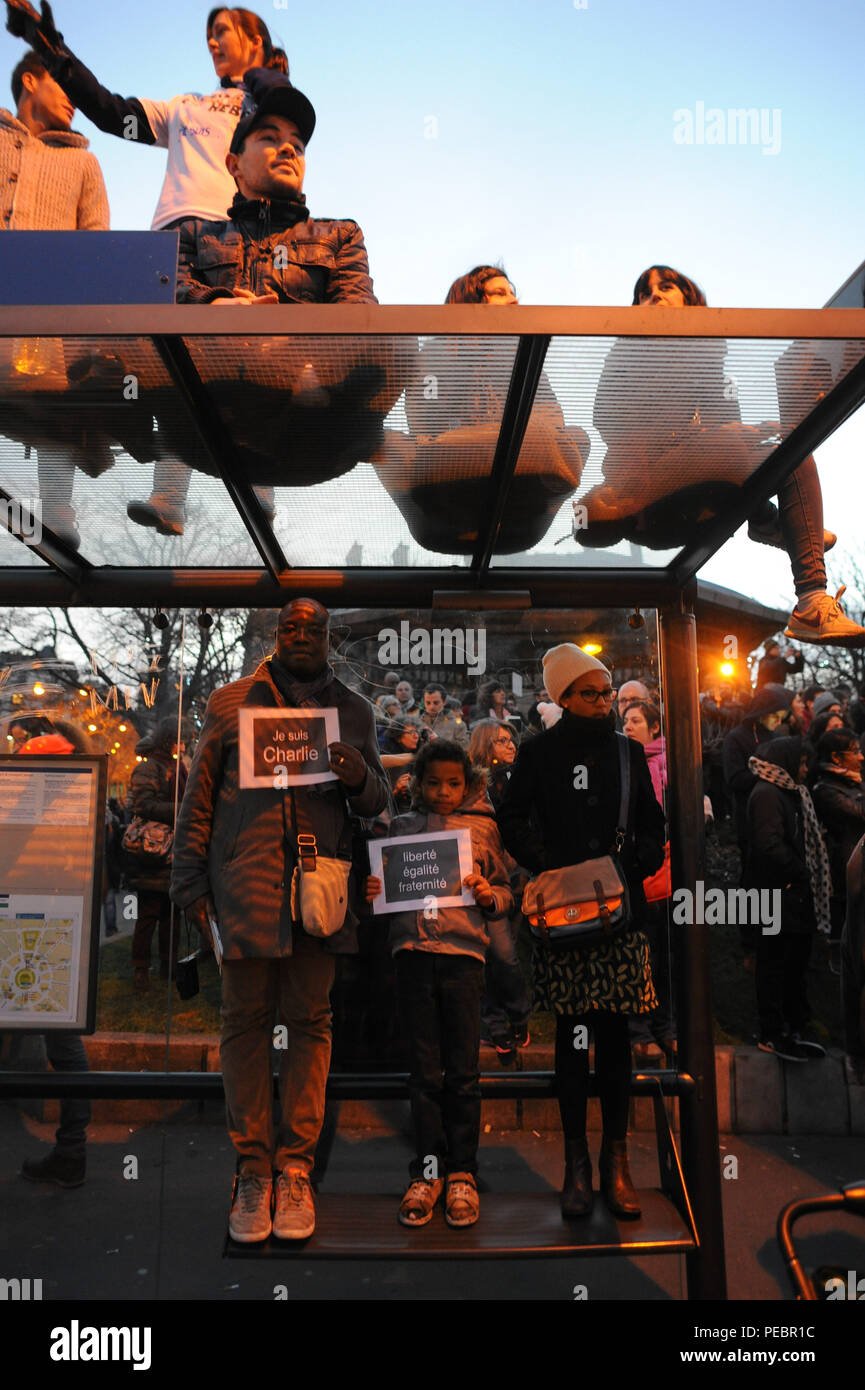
560 808
677 451
196 130
438 474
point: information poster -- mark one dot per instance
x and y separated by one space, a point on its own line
39 957
52 832
286 747
415 868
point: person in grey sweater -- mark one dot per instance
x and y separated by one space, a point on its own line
50 182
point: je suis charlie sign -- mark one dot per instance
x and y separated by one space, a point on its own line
286 747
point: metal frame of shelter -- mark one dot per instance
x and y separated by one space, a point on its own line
72 580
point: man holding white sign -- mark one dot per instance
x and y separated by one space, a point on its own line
263 849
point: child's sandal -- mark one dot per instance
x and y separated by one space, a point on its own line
462 1204
416 1207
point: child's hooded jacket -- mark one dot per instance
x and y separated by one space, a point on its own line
458 930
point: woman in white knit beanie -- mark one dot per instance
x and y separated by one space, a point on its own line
561 807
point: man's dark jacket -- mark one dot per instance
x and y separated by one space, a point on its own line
273 246
741 744
238 844
776 841
853 955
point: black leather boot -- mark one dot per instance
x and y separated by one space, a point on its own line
618 1190
577 1190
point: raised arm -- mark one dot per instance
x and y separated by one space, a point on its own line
116 115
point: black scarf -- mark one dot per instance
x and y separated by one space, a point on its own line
269 213
299 694
578 728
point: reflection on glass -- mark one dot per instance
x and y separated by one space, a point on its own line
677 450
439 473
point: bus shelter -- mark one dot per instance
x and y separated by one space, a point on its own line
458 461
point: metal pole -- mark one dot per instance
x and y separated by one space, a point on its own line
698 1110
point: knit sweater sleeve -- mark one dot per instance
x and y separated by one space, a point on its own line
93 211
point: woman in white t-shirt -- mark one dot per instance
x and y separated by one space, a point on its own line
196 130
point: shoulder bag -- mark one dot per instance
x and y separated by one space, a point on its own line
319 884
585 904
150 840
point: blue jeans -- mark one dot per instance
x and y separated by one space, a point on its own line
66 1053
439 999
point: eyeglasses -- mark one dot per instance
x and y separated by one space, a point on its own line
503 738
593 696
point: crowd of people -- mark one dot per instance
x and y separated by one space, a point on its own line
536 782
785 766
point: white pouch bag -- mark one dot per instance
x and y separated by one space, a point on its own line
319 896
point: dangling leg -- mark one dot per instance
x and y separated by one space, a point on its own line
165 509
56 473
817 617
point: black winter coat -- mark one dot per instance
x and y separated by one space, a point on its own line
548 823
776 852
853 955
741 744
840 806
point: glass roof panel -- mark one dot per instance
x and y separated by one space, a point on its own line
372 450
660 434
388 441
14 553
104 425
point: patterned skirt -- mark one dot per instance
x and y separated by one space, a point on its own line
615 977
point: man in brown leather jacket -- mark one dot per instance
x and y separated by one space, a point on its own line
235 852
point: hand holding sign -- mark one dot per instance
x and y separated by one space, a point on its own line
282 747
484 895
348 764
410 871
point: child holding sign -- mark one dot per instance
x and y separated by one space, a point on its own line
440 953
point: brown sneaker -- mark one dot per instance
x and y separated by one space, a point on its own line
462 1204
820 619
249 1220
421 1195
294 1217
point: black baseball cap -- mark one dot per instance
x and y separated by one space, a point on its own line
269 93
